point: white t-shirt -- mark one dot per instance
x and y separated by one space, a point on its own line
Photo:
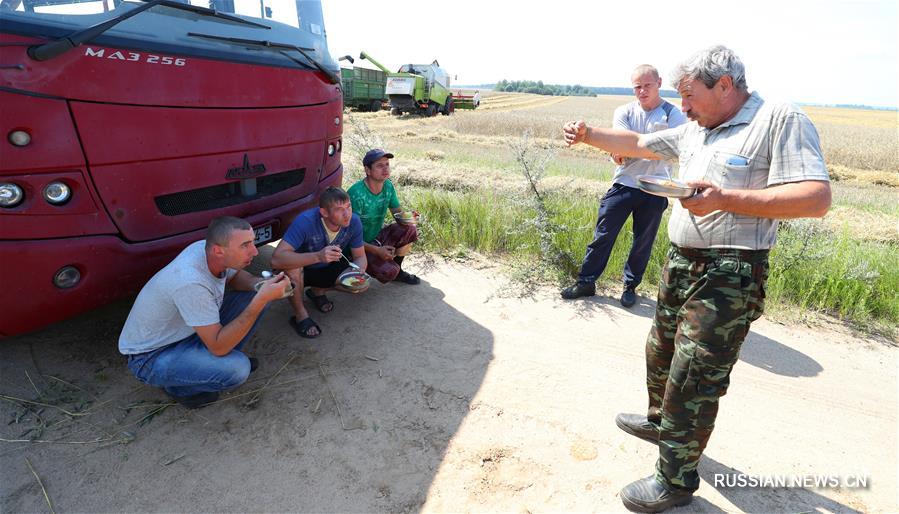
632 117
182 295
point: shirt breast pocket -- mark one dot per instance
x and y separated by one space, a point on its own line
732 171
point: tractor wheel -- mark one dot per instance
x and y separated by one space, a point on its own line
431 110
449 106
396 111
375 105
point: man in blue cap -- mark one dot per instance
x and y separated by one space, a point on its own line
385 245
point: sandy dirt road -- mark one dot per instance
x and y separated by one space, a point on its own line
440 397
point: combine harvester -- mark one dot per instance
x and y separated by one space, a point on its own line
417 88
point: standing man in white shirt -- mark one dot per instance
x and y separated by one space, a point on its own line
648 113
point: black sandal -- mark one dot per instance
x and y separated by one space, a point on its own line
302 328
407 278
320 301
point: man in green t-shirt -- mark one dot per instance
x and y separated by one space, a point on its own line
385 245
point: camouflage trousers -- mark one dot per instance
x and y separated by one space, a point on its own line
707 300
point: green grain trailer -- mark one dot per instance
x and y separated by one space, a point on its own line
363 89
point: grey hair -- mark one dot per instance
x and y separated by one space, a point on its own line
709 65
219 231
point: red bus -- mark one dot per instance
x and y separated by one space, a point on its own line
128 125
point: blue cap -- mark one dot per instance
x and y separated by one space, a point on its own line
374 155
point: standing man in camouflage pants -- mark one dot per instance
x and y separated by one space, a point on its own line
753 163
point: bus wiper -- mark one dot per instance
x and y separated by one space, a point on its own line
272 44
62 45
206 11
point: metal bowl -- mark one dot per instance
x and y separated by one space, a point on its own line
406 217
288 292
354 280
668 187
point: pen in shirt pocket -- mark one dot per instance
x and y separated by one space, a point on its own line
737 161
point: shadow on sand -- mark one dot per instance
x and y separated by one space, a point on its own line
757 350
766 353
357 420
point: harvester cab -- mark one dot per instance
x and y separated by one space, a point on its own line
417 88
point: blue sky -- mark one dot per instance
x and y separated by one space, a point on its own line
799 50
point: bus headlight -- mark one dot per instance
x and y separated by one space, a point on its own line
67 277
19 138
57 193
10 194
331 149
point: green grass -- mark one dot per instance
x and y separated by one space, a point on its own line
810 268
468 220
834 272
867 198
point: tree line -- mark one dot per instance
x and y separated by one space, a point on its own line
539 88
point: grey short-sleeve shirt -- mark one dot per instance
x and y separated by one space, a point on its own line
182 295
632 117
764 144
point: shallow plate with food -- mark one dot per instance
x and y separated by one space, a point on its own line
287 293
354 280
668 187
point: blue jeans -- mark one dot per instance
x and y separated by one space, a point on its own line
617 204
187 367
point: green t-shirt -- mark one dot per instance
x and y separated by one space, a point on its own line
372 208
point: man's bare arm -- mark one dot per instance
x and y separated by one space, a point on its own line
807 199
286 257
615 141
222 339
359 258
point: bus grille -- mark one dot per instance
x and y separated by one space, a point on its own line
226 195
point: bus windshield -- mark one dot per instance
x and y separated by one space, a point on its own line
162 28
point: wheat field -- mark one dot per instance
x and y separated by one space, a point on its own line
471 148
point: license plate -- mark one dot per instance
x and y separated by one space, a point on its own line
263 235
